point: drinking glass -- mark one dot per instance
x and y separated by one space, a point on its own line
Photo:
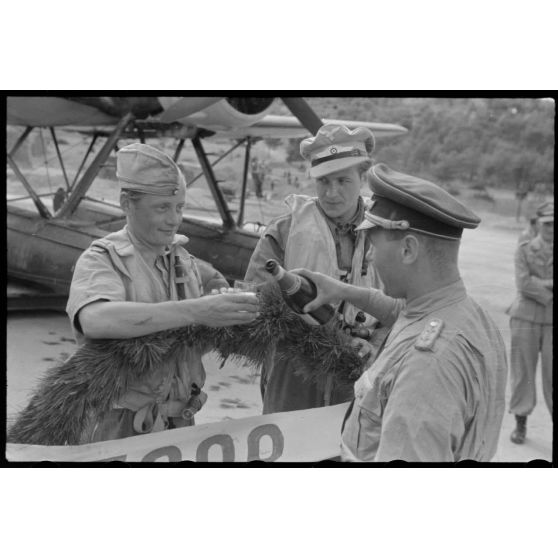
245 286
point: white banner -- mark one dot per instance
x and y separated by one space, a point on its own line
297 436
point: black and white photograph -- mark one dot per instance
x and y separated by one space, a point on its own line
280 279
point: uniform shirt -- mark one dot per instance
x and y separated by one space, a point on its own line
445 403
533 264
125 272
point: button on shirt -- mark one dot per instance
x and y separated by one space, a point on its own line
445 403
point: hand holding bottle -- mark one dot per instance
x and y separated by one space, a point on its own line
297 291
329 290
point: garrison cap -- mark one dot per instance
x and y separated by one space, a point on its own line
545 212
336 148
142 168
406 202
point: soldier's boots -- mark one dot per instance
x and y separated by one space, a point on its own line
518 435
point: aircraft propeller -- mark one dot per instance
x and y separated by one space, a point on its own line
186 106
302 110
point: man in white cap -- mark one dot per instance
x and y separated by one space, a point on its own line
436 390
531 321
141 280
319 234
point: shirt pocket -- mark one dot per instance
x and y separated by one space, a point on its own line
537 263
362 436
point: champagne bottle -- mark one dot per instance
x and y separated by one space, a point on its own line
298 291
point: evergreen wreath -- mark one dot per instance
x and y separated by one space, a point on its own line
98 373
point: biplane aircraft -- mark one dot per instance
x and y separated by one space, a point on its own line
49 227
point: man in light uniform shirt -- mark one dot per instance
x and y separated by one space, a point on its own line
436 391
142 280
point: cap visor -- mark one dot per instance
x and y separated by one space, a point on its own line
336 165
365 225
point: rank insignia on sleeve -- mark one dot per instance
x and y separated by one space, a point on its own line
429 334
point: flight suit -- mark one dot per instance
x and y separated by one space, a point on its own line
307 238
436 391
531 325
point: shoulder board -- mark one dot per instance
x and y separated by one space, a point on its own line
99 245
430 333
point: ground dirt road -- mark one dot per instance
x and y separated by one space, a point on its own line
36 341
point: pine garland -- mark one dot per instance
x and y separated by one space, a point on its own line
98 373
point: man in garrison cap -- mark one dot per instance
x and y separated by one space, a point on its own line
319 233
531 321
141 280
436 390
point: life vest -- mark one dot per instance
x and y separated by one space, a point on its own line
311 245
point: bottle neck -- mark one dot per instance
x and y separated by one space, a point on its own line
290 282
294 284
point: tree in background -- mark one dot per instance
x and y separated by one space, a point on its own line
498 143
293 150
273 143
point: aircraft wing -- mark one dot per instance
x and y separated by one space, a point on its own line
54 111
219 117
271 126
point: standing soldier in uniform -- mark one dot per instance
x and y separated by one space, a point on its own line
531 321
436 390
319 233
141 280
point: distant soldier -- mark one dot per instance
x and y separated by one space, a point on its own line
531 321
521 193
258 176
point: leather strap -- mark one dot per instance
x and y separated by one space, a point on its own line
148 419
153 417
